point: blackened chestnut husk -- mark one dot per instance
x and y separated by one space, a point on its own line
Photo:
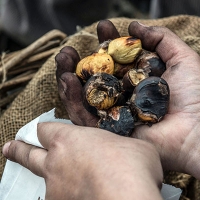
151 99
118 120
101 92
151 63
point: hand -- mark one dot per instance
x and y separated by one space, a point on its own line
177 136
90 163
69 86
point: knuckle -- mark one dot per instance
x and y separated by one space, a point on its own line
18 154
31 158
64 137
25 160
59 137
12 151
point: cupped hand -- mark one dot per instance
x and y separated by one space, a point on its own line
90 163
177 136
69 86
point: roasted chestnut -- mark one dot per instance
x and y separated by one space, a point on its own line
103 47
151 63
124 50
118 120
122 85
132 78
95 63
121 69
101 91
151 99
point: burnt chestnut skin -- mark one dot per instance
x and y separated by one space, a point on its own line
151 63
101 92
118 120
151 99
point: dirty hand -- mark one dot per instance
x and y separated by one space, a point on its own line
177 136
69 86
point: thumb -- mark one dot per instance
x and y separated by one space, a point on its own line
160 39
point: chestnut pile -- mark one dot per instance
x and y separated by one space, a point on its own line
123 85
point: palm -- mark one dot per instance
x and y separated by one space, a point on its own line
176 136
176 130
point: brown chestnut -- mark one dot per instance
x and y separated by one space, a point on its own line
95 63
124 49
151 99
103 47
132 78
121 69
151 63
101 91
118 120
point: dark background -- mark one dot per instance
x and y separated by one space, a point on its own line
121 8
41 16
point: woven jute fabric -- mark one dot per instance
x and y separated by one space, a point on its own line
40 94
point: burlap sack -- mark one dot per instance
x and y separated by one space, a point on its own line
40 94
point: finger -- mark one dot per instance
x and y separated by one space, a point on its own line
31 157
54 134
160 39
49 133
70 90
64 63
106 31
70 51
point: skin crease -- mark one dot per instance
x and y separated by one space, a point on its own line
84 159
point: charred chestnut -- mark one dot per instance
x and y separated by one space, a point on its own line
95 63
118 120
132 78
102 91
151 63
151 99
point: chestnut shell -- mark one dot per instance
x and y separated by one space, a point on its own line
94 63
101 92
132 78
151 63
151 99
119 120
121 69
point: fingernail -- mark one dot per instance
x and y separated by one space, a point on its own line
142 24
6 148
